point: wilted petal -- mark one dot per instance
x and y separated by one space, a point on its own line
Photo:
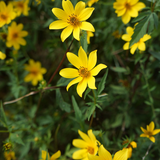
83 57
78 79
81 87
59 24
79 143
66 33
97 69
60 14
87 26
85 14
69 73
92 59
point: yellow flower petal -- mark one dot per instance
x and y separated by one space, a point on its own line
133 2
97 69
146 37
126 17
81 87
78 79
84 136
104 153
74 60
126 46
68 7
85 14
91 135
91 82
133 48
66 33
133 12
156 131
121 155
83 57
87 26
79 143
143 130
59 24
126 37
152 139
69 73
76 33
139 6
143 135
79 7
60 14
133 144
56 155
141 46
121 12
92 59
92 157
150 128
80 154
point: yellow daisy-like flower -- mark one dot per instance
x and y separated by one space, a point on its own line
35 72
103 154
53 157
89 144
131 145
21 7
73 20
127 9
140 44
150 132
6 13
89 35
2 55
91 2
9 155
15 36
85 70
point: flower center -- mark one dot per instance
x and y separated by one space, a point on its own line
128 6
150 134
90 150
34 72
15 35
83 72
4 17
73 20
20 5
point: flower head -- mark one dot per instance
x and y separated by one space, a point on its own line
127 9
21 7
91 2
53 157
15 36
140 44
2 55
103 154
89 144
6 13
35 72
150 132
9 155
72 19
85 70
130 145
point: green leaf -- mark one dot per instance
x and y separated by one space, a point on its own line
155 54
3 118
118 121
78 113
119 69
90 111
155 19
83 40
14 137
101 85
62 104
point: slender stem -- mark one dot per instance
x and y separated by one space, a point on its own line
147 151
3 131
60 63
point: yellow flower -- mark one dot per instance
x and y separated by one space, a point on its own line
21 7
91 2
9 155
6 13
127 9
129 147
73 20
53 157
15 36
85 70
2 55
103 154
150 132
89 35
116 34
89 144
3 36
140 44
35 72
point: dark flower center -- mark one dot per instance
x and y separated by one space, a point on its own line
73 20
128 6
3 16
90 150
83 72
15 35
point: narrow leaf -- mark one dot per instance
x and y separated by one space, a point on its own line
3 118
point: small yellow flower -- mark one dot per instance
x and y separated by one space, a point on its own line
91 2
3 36
116 34
85 72
15 36
6 13
9 155
127 9
150 132
35 72
89 35
2 55
89 144
103 154
73 20
131 145
21 7
140 44
53 157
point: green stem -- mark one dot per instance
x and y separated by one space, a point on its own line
2 131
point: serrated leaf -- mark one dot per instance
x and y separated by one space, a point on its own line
101 85
78 113
3 118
